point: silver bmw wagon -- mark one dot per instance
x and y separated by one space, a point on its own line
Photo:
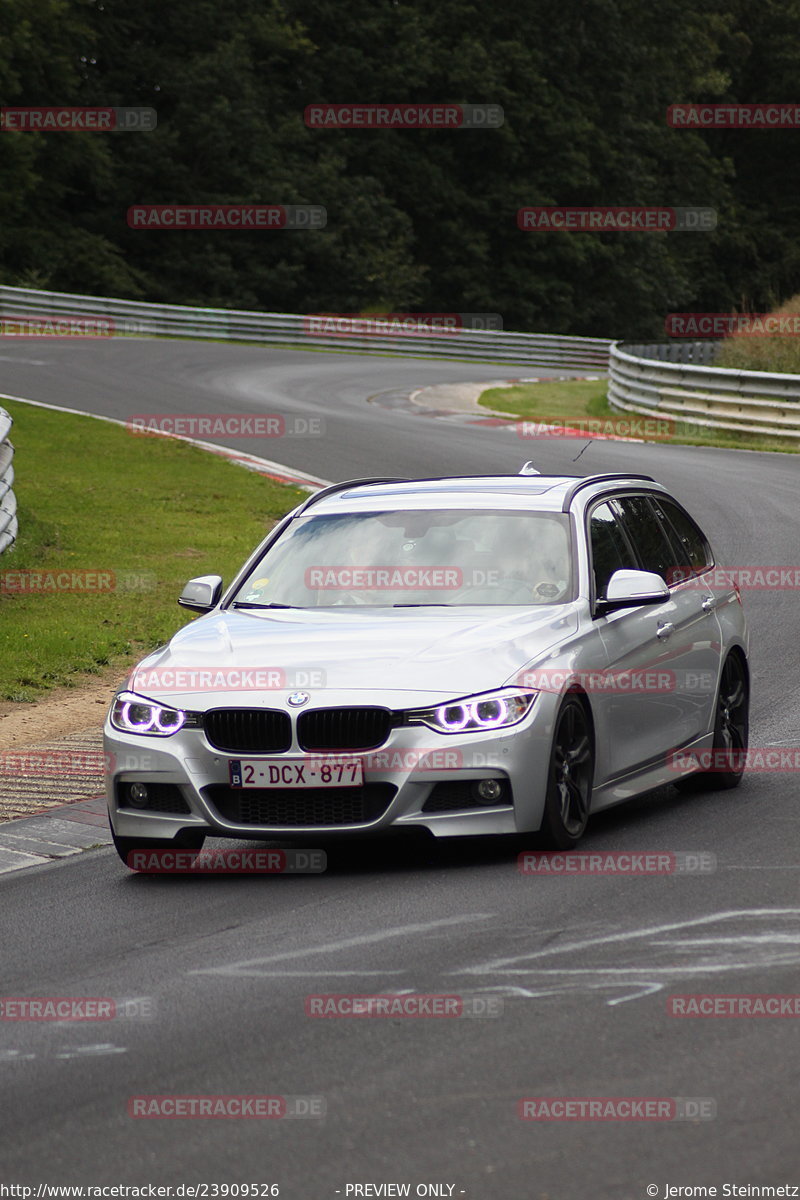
468 655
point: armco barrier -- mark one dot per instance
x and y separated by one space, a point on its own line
530 349
675 380
8 502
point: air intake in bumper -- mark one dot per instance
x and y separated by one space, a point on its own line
300 808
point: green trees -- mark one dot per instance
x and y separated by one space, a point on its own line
417 220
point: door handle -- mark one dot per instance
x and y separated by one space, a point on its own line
665 630
709 603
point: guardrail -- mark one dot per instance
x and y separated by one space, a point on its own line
172 320
675 380
8 502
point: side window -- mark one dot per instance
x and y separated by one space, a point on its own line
610 550
652 541
694 544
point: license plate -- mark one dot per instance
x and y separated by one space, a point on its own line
295 773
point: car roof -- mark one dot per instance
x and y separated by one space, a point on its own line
549 493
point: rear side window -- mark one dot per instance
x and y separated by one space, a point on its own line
658 549
690 537
610 550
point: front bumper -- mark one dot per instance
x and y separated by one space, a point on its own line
414 768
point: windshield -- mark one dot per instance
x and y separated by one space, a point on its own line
415 558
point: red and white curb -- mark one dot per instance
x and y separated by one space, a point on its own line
465 407
59 832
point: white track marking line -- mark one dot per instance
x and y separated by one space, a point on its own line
306 974
615 938
252 964
250 461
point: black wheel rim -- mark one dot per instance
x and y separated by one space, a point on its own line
572 769
731 732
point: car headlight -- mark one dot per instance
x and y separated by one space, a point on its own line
478 714
134 714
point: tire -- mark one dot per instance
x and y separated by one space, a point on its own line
569 778
190 839
731 732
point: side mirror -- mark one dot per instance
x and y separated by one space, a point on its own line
630 589
201 594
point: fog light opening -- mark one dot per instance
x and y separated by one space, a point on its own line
488 791
138 795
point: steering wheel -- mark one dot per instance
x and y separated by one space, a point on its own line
356 599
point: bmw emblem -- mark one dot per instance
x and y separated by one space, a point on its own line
298 698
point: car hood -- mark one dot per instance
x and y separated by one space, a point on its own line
447 652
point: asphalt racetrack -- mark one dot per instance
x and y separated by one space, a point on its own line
583 965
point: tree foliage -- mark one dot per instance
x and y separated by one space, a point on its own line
417 220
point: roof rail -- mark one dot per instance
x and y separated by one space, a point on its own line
350 483
341 487
588 480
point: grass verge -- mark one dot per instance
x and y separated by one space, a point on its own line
578 401
150 511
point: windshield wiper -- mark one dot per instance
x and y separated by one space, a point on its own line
442 605
254 604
